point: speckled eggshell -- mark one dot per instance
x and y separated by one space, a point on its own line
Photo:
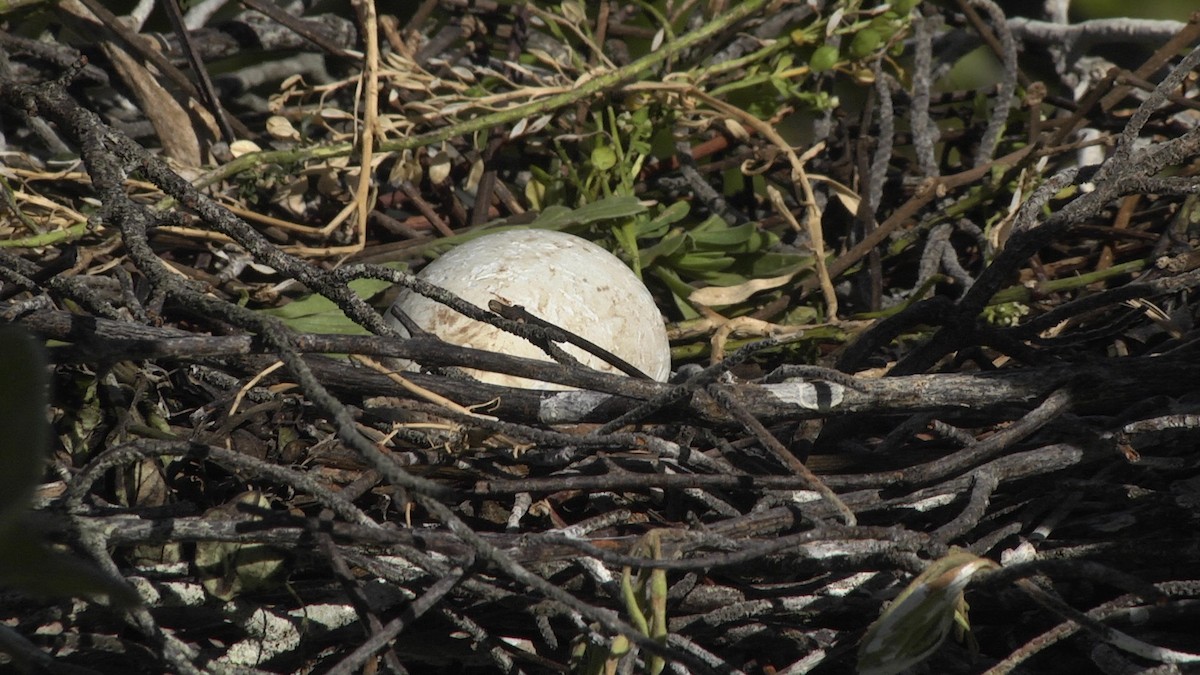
559 277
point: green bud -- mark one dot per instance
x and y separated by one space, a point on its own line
603 158
823 59
865 42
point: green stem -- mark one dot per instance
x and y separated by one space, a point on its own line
1025 294
601 82
47 238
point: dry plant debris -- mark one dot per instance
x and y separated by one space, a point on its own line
930 271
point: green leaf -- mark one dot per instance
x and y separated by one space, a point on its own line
661 223
719 278
775 264
725 238
702 261
608 208
318 314
667 246
679 291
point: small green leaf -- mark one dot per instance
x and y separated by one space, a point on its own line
702 261
553 217
659 225
535 192
679 291
775 264
719 278
725 238
667 246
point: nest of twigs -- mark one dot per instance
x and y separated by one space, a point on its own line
934 335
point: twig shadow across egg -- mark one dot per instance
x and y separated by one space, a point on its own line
560 278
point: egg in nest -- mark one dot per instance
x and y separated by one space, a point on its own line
560 278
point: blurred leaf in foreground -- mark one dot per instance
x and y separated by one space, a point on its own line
26 561
919 619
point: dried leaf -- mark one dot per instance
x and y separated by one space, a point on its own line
714 296
658 40
848 197
736 129
243 147
281 127
439 168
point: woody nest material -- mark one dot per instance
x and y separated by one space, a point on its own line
936 387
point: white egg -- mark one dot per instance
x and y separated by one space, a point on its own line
560 278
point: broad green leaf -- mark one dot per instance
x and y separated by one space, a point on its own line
719 278
318 314
551 218
865 42
919 619
608 208
535 192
